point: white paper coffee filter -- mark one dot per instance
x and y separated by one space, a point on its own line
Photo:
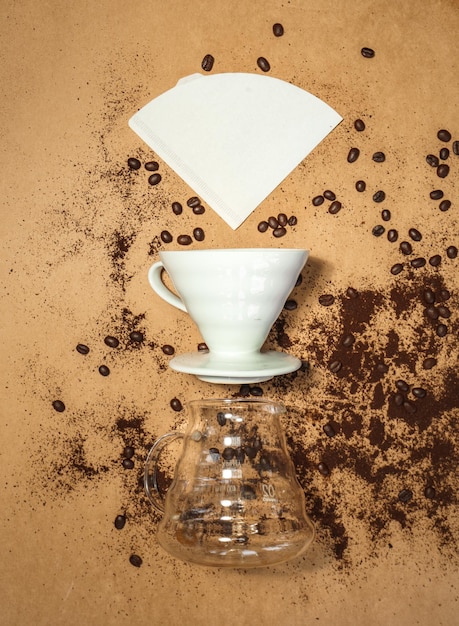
234 137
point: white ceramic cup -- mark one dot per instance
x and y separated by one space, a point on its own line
234 296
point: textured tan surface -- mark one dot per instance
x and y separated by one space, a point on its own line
79 232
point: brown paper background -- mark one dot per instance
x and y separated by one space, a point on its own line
79 231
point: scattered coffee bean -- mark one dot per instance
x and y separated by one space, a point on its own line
359 125
441 330
58 406
104 370
128 452
134 164
278 30
352 293
318 200
256 391
432 160
120 521
168 349
409 407
221 418
177 208
353 155
402 386
451 252
429 295
135 560
299 280
435 260
184 240
279 231
244 391
379 196
199 210
396 268
323 469
111 342
128 464
382 368
443 311
329 430
431 312
193 201
228 454
444 205
399 399
456 147
444 295
443 170
418 262
282 219
348 340
202 347
290 305
207 63
419 392
198 234
326 299
335 207
263 64
175 404
368 53
136 336
166 236
82 348
444 135
429 363
436 194
151 166
329 195
154 179
392 235
272 221
385 215
444 154
379 157
378 230
360 185
430 492
415 234
335 366
263 226
406 248
405 495
292 220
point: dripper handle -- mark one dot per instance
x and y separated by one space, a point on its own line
154 493
154 278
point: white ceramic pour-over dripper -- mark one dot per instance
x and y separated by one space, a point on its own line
234 296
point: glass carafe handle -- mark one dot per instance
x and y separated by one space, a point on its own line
152 489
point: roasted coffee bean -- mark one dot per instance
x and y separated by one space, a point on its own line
429 295
379 157
207 63
335 366
406 248
256 391
154 179
104 370
444 135
436 194
402 386
272 221
415 234
441 330
418 262
419 392
318 200
279 231
136 336
151 166
392 235
134 164
239 455
352 293
360 185
290 305
329 195
353 155
378 230
431 312
348 340
278 30
326 299
379 196
263 226
405 495
329 430
385 215
184 240
443 311
443 170
451 252
292 220
399 399
221 418
265 463
335 207
168 349
382 368
202 347
444 205
323 469
456 147
282 219
432 160
199 210
409 407
429 363
368 53
396 268
120 521
359 125
111 342
166 236
128 452
435 260
135 560
193 201
198 234
444 154
177 208
299 280
248 492
82 348
430 492
175 404
263 64
128 464
215 454
228 454
444 295
58 406
250 451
